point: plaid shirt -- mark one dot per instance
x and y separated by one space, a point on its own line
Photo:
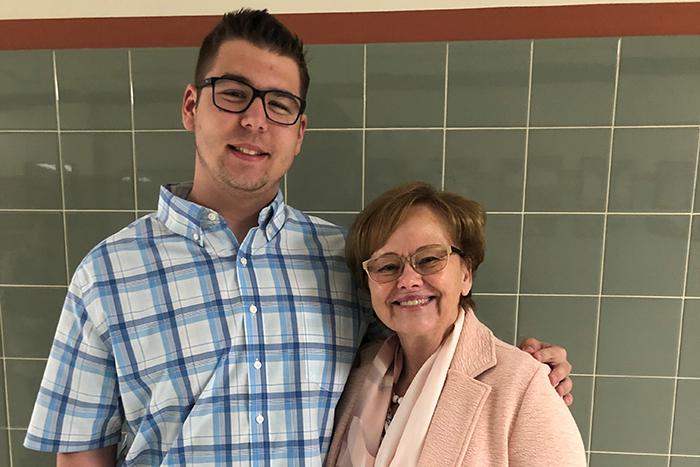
190 349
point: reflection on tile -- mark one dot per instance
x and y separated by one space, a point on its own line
499 271
618 423
318 182
562 253
93 88
22 456
401 94
98 170
693 281
627 322
488 83
687 418
498 313
29 177
395 157
568 321
487 166
645 255
581 408
29 318
335 95
659 81
23 378
33 248
160 77
653 169
28 99
166 157
567 170
573 82
690 344
341 219
87 229
626 460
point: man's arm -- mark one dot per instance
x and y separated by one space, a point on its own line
554 356
101 457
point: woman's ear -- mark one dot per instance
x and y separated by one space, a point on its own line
466 278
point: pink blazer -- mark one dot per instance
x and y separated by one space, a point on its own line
497 408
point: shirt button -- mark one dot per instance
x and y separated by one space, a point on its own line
259 419
212 216
257 364
196 237
244 261
253 309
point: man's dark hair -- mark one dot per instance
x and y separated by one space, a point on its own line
259 28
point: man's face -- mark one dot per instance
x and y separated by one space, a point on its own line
243 152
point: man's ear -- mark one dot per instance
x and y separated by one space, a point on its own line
303 122
189 107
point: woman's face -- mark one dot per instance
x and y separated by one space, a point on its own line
415 306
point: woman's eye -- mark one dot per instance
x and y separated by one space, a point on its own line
428 260
387 268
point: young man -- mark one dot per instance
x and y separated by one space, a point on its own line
221 329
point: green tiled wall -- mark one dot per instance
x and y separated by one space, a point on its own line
584 152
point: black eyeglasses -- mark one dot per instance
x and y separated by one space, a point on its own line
426 260
235 96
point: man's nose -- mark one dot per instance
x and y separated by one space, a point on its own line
254 116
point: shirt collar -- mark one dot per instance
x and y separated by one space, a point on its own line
194 221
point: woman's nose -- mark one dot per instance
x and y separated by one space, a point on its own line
409 277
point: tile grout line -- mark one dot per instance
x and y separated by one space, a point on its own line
4 382
364 126
599 303
683 300
444 115
522 205
133 135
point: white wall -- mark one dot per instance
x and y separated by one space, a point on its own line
18 9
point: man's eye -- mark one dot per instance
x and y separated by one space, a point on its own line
279 107
232 94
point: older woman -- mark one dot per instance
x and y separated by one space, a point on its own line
442 391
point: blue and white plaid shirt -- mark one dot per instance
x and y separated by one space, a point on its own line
194 350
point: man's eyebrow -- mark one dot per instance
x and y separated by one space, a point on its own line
245 80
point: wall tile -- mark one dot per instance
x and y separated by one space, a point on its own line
98 170
620 424
160 77
341 219
161 158
659 81
567 170
690 344
567 321
28 99
93 88
687 418
581 408
685 461
390 159
627 322
405 85
653 169
627 460
562 253
87 229
499 272
30 316
22 456
330 164
33 248
573 82
335 98
3 405
487 166
23 379
645 255
488 83
4 448
29 178
498 313
693 281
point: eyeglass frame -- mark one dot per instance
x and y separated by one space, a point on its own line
409 259
261 93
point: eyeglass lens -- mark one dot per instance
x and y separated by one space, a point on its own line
426 260
235 96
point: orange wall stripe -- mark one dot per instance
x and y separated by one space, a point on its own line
368 27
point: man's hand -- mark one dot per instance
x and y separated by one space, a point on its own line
555 357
